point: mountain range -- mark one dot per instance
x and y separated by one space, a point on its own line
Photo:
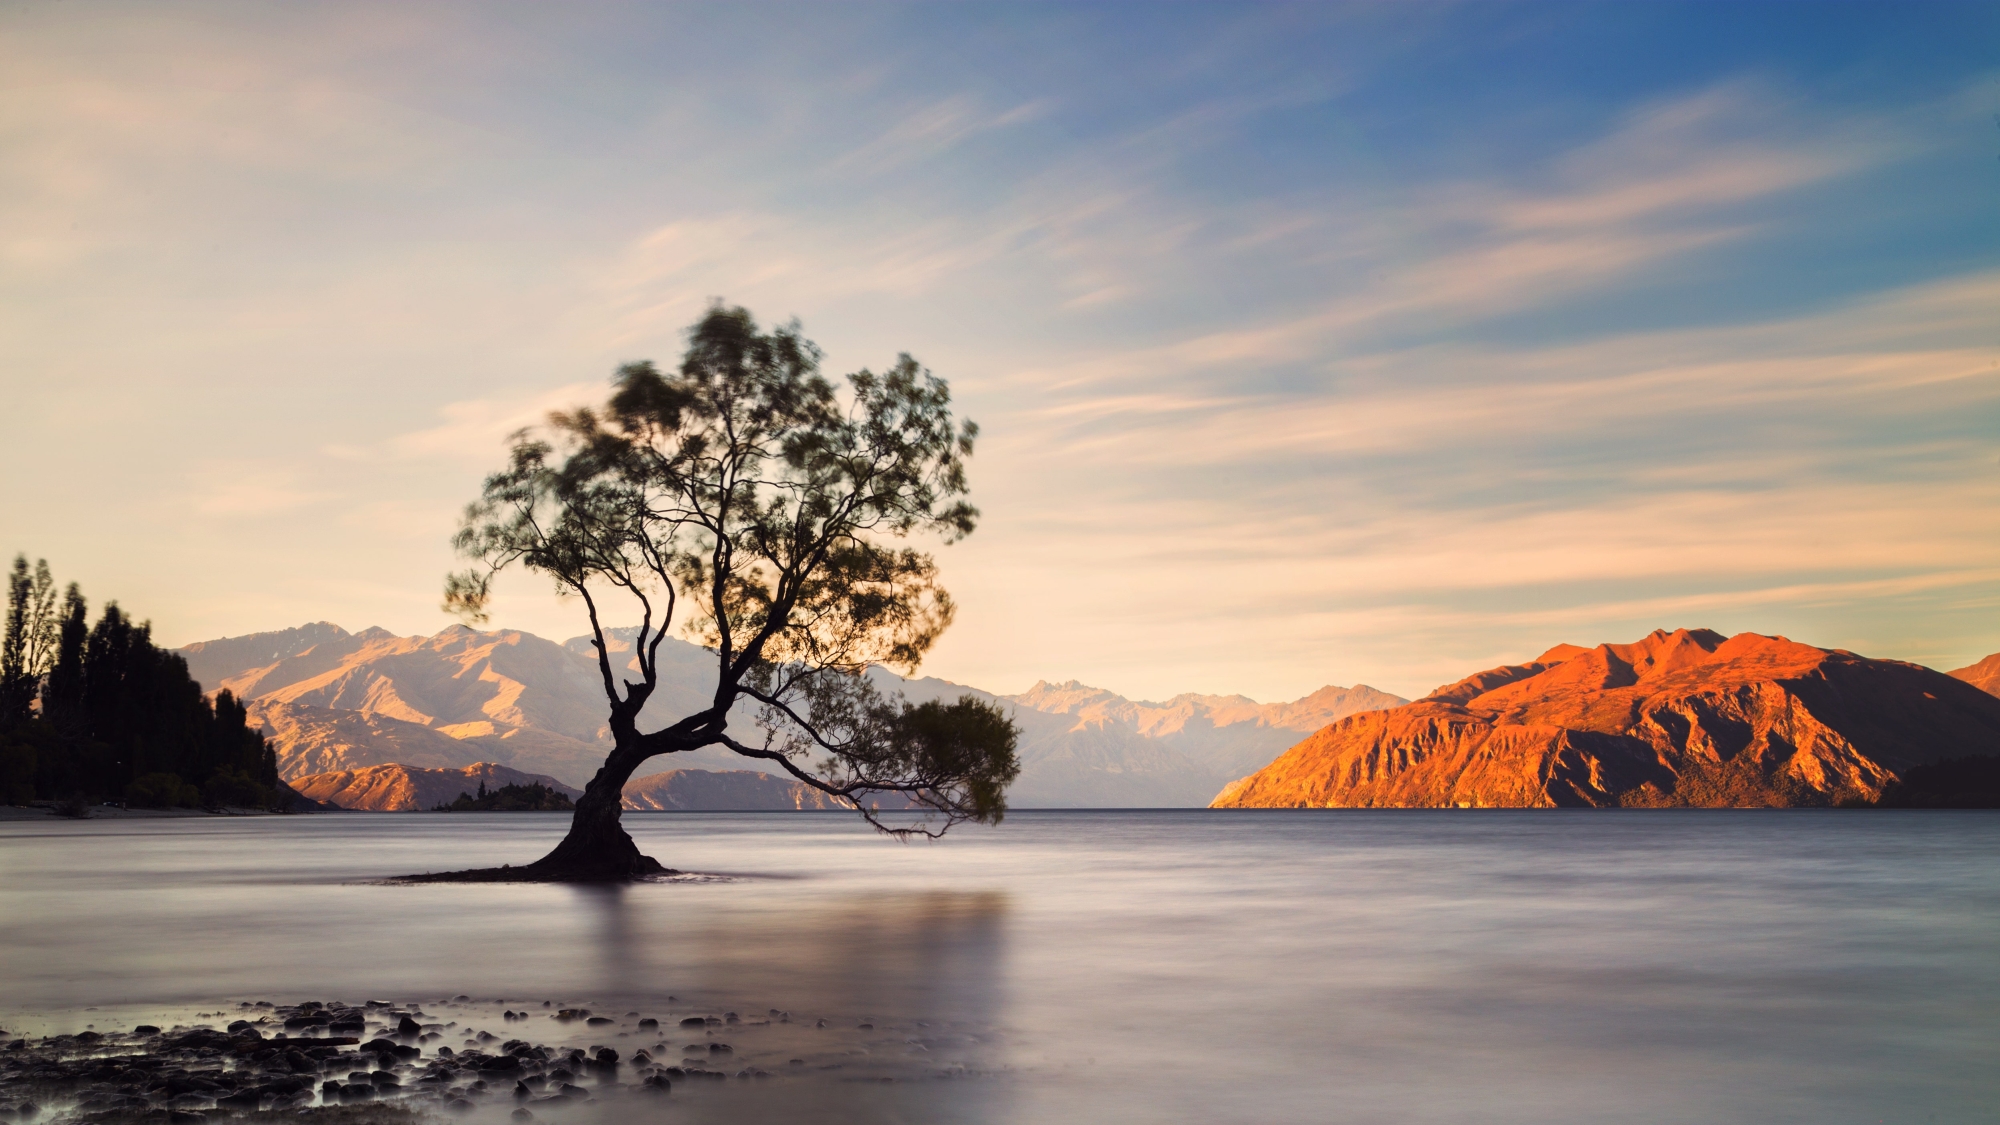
405 788
1687 718
334 701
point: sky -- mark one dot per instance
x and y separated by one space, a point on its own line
1309 344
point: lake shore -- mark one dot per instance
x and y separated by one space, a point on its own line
117 812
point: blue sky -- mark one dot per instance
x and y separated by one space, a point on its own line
1311 344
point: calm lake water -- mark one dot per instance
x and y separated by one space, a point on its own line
1156 966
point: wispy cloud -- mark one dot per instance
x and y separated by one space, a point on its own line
1294 362
476 430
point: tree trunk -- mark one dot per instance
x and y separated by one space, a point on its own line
597 850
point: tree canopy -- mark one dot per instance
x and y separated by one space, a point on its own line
751 503
99 712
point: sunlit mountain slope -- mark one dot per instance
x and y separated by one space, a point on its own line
1682 718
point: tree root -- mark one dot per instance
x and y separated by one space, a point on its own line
625 870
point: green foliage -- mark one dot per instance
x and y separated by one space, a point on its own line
532 797
23 747
161 791
752 503
117 714
27 647
234 789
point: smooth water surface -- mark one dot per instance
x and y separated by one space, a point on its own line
1155 966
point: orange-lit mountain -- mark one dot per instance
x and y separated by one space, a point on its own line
1682 718
1984 675
401 788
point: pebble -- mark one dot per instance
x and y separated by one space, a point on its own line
199 1073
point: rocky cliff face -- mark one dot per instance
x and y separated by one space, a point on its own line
1686 718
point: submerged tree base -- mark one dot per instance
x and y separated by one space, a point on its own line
625 870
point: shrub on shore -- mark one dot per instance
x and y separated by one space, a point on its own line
533 797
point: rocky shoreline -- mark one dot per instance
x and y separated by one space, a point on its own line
384 1062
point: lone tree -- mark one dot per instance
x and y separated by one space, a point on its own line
752 504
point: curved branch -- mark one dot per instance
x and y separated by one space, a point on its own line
847 792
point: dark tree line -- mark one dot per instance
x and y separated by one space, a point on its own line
100 713
532 797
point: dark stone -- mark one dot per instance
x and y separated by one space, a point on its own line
694 1021
606 1056
459 1105
721 1049
649 1022
242 1099
500 1063
184 1117
357 1092
657 1083
329 1090
598 1021
145 1029
408 1026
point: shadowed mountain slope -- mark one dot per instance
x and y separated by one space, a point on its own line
1682 718
723 790
313 740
